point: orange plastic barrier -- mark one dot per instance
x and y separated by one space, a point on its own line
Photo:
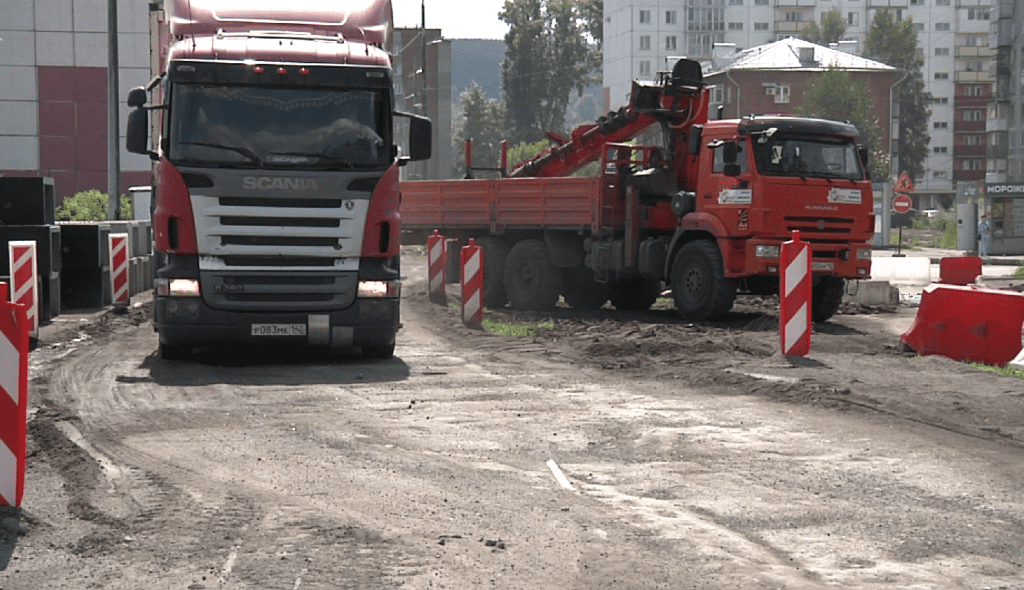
968 324
959 270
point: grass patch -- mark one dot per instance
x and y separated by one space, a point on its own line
1019 274
1006 371
516 330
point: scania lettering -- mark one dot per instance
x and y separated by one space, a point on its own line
275 184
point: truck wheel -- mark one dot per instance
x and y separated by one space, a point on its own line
826 297
379 352
175 352
699 286
635 293
532 282
581 291
495 253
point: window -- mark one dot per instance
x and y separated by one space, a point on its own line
939 51
645 68
974 116
794 17
736 2
974 91
972 66
972 164
940 100
939 174
971 41
942 2
670 17
972 140
852 19
779 91
670 42
761 2
938 75
941 26
916 2
735 26
760 26
645 42
645 17
977 14
919 27
940 150
940 125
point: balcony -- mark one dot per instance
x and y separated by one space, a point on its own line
976 51
888 3
966 77
784 26
992 125
968 175
969 126
969 151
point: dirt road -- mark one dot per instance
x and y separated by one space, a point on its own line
608 451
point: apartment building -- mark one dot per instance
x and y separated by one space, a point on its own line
423 85
643 37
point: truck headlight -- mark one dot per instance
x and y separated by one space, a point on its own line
764 251
380 289
864 254
177 287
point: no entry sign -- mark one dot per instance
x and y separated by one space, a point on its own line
902 203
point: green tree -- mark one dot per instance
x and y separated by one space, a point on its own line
482 122
832 29
547 56
894 42
835 95
90 206
592 13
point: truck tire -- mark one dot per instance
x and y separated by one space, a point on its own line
531 281
699 286
175 352
826 297
379 352
495 253
581 291
635 293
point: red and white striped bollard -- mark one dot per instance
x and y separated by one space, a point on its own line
795 297
472 285
119 292
437 262
25 281
14 349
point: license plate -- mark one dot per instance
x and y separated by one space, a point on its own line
823 266
279 329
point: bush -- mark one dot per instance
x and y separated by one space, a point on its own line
90 206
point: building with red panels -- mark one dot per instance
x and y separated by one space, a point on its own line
53 90
772 79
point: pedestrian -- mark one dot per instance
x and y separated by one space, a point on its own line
984 235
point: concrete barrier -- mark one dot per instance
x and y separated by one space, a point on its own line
908 270
872 293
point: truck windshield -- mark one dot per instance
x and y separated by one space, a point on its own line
805 156
259 127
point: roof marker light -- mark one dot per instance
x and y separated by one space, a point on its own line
282 71
257 70
304 71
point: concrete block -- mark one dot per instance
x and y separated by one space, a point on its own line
1018 363
908 270
872 293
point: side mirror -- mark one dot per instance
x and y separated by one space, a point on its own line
137 97
695 136
421 138
137 133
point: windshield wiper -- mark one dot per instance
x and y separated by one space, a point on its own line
241 150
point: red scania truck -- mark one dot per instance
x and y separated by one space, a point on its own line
275 190
700 206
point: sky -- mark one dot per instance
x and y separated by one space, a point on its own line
476 19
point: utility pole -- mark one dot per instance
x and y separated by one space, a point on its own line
113 123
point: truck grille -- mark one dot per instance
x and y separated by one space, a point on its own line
822 227
246 291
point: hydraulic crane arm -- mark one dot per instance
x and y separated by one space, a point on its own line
679 99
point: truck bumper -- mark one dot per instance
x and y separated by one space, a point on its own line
838 260
189 321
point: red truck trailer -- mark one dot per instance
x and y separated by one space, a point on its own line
695 205
275 187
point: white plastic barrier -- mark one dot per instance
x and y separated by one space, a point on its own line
907 270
